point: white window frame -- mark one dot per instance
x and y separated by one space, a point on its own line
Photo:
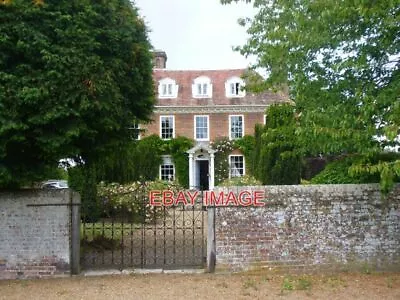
167 161
136 126
171 89
233 81
204 84
230 126
230 165
195 127
173 127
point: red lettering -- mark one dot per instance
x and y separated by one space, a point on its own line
168 198
231 198
213 201
155 195
245 198
193 196
181 198
258 196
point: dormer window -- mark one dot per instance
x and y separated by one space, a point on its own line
234 87
202 87
167 88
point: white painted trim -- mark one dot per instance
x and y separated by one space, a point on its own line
173 126
230 125
202 80
209 109
139 135
167 160
167 81
235 79
244 164
191 171
138 129
195 127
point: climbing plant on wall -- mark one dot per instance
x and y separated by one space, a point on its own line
177 149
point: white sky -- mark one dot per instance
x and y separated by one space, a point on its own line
196 34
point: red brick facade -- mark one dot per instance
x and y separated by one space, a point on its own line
218 123
225 109
218 106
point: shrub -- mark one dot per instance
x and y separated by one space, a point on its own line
177 148
223 147
119 164
82 178
241 181
148 157
338 171
129 201
247 146
277 155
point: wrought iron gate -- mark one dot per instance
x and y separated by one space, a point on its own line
143 236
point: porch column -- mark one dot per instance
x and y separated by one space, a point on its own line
211 183
191 177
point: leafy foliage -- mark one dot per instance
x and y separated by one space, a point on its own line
119 165
246 180
131 200
247 146
134 162
73 77
352 169
280 157
340 61
147 158
384 165
223 147
83 179
337 172
177 148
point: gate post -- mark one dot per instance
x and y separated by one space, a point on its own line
211 246
75 202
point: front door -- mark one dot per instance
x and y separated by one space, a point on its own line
203 175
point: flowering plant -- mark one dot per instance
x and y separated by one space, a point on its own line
131 200
241 181
223 147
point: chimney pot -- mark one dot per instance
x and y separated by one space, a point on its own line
160 59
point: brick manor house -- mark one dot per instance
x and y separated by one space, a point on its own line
204 105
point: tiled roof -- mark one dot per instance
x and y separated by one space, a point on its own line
218 78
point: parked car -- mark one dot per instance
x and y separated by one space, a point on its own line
54 184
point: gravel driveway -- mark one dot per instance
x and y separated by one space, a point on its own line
207 286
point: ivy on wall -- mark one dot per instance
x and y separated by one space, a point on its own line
177 149
247 146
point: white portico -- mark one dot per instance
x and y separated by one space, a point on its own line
201 167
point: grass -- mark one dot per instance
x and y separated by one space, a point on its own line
366 269
90 231
303 284
389 282
103 236
287 284
335 282
290 283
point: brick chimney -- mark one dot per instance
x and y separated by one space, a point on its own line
160 59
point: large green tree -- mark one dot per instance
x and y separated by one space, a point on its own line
340 60
74 74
